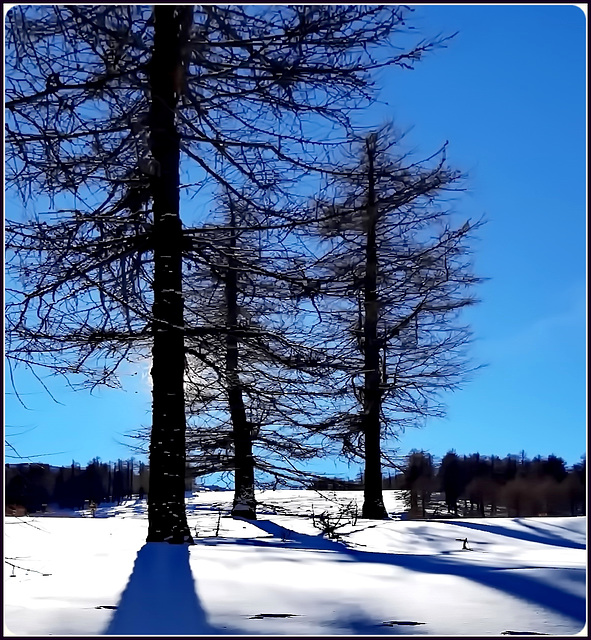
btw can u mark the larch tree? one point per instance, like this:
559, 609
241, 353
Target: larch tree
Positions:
397, 276
107, 107
167, 447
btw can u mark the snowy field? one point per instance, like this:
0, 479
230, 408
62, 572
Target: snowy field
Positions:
281, 576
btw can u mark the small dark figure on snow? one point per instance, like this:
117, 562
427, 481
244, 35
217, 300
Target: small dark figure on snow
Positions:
464, 542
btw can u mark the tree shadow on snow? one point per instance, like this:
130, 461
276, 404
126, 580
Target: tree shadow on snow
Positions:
160, 596
535, 534
509, 581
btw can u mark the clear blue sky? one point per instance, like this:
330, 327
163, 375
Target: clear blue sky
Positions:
509, 93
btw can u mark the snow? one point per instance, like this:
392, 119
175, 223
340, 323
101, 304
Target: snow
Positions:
281, 576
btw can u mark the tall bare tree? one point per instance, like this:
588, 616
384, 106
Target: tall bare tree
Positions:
167, 447
398, 275
265, 393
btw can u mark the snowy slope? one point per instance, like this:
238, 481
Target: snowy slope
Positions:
95, 576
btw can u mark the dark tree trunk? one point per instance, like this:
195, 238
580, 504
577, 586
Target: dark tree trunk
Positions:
166, 499
414, 500
373, 503
244, 499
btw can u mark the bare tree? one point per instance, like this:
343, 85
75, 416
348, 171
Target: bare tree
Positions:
398, 276
253, 410
106, 108
166, 500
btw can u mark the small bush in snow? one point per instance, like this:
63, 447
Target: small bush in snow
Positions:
330, 523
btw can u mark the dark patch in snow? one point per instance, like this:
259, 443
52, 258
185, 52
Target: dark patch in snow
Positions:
405, 623
523, 633
260, 616
106, 606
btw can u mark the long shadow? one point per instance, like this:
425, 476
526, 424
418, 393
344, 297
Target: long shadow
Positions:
160, 596
559, 526
555, 538
508, 581
534, 535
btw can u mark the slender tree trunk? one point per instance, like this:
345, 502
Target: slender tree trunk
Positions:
166, 499
373, 503
244, 499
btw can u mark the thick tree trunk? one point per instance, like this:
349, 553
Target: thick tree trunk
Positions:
244, 499
166, 498
373, 503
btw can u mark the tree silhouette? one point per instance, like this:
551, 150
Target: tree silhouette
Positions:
452, 482
105, 106
397, 276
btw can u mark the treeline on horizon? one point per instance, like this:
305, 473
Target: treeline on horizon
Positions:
468, 485
35, 485
481, 486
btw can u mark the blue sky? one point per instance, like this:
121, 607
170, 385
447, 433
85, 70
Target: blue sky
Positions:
509, 93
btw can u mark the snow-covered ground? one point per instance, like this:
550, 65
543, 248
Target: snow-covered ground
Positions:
281, 576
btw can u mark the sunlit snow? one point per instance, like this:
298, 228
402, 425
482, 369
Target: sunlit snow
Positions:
281, 576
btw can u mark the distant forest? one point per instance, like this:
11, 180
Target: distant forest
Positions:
482, 486
35, 486
473, 485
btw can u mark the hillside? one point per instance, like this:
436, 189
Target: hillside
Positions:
94, 576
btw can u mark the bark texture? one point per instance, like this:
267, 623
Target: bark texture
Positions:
166, 501
373, 503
